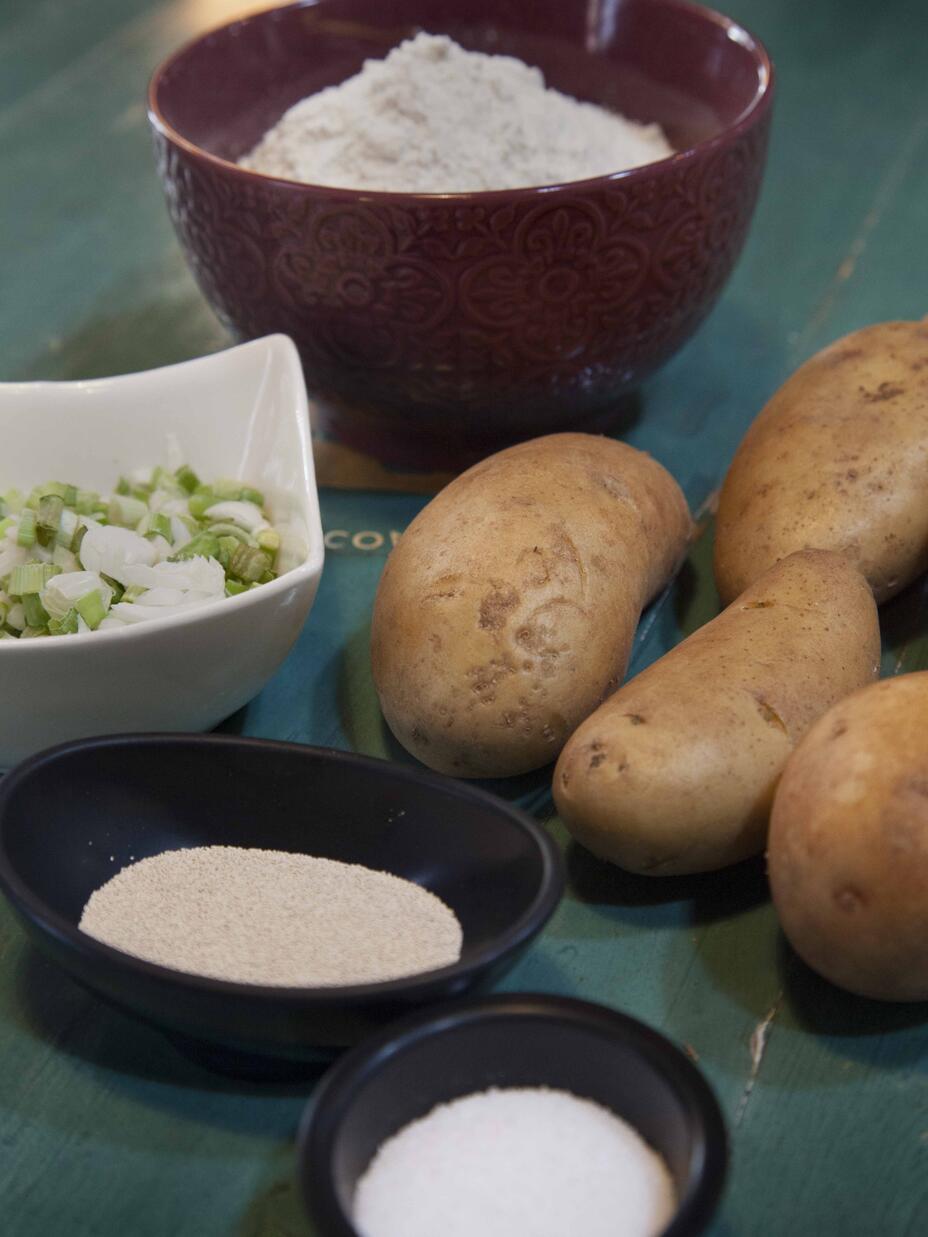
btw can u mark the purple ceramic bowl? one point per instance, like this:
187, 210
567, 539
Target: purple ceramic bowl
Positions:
438, 327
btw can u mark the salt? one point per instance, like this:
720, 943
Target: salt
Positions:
515, 1162
272, 917
434, 118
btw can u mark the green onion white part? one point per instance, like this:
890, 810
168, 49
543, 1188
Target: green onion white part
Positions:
74, 561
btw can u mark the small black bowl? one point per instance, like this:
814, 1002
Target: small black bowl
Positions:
512, 1041
72, 816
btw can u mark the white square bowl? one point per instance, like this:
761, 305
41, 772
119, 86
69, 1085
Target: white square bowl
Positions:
241, 413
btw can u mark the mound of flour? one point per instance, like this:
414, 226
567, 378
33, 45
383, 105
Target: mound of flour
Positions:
434, 118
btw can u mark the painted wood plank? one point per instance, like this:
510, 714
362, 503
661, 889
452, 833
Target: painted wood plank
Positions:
45, 38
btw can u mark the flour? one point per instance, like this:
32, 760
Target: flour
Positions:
434, 118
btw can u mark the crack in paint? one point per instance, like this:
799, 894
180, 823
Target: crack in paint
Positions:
758, 1046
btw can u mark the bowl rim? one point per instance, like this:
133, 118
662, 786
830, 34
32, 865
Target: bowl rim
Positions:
297, 576
323, 1113
754, 110
28, 904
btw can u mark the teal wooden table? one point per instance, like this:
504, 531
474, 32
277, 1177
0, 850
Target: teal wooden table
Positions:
104, 1128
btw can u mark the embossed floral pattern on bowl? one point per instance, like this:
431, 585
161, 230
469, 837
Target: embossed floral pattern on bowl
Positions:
434, 328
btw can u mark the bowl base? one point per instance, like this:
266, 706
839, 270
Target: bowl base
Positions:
251, 1066
404, 445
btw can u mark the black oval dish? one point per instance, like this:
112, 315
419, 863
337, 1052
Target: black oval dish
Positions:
72, 816
512, 1041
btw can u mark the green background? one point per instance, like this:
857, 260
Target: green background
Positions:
104, 1127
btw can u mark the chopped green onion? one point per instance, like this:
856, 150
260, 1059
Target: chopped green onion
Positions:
67, 526
117, 588
163, 479
227, 547
35, 612
186, 478
88, 502
159, 526
78, 537
48, 519
222, 529
201, 500
51, 489
235, 491
227, 490
59, 489
25, 534
64, 626
31, 578
91, 609
248, 563
126, 511
203, 545
53, 523
269, 539
65, 559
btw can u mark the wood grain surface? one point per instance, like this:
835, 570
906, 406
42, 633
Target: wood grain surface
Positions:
105, 1128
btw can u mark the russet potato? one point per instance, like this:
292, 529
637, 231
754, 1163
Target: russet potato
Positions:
837, 460
848, 848
506, 612
675, 772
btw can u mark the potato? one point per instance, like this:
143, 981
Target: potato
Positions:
848, 850
507, 610
838, 460
676, 772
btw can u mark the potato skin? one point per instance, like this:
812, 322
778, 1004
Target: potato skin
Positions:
507, 610
675, 773
848, 849
837, 460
